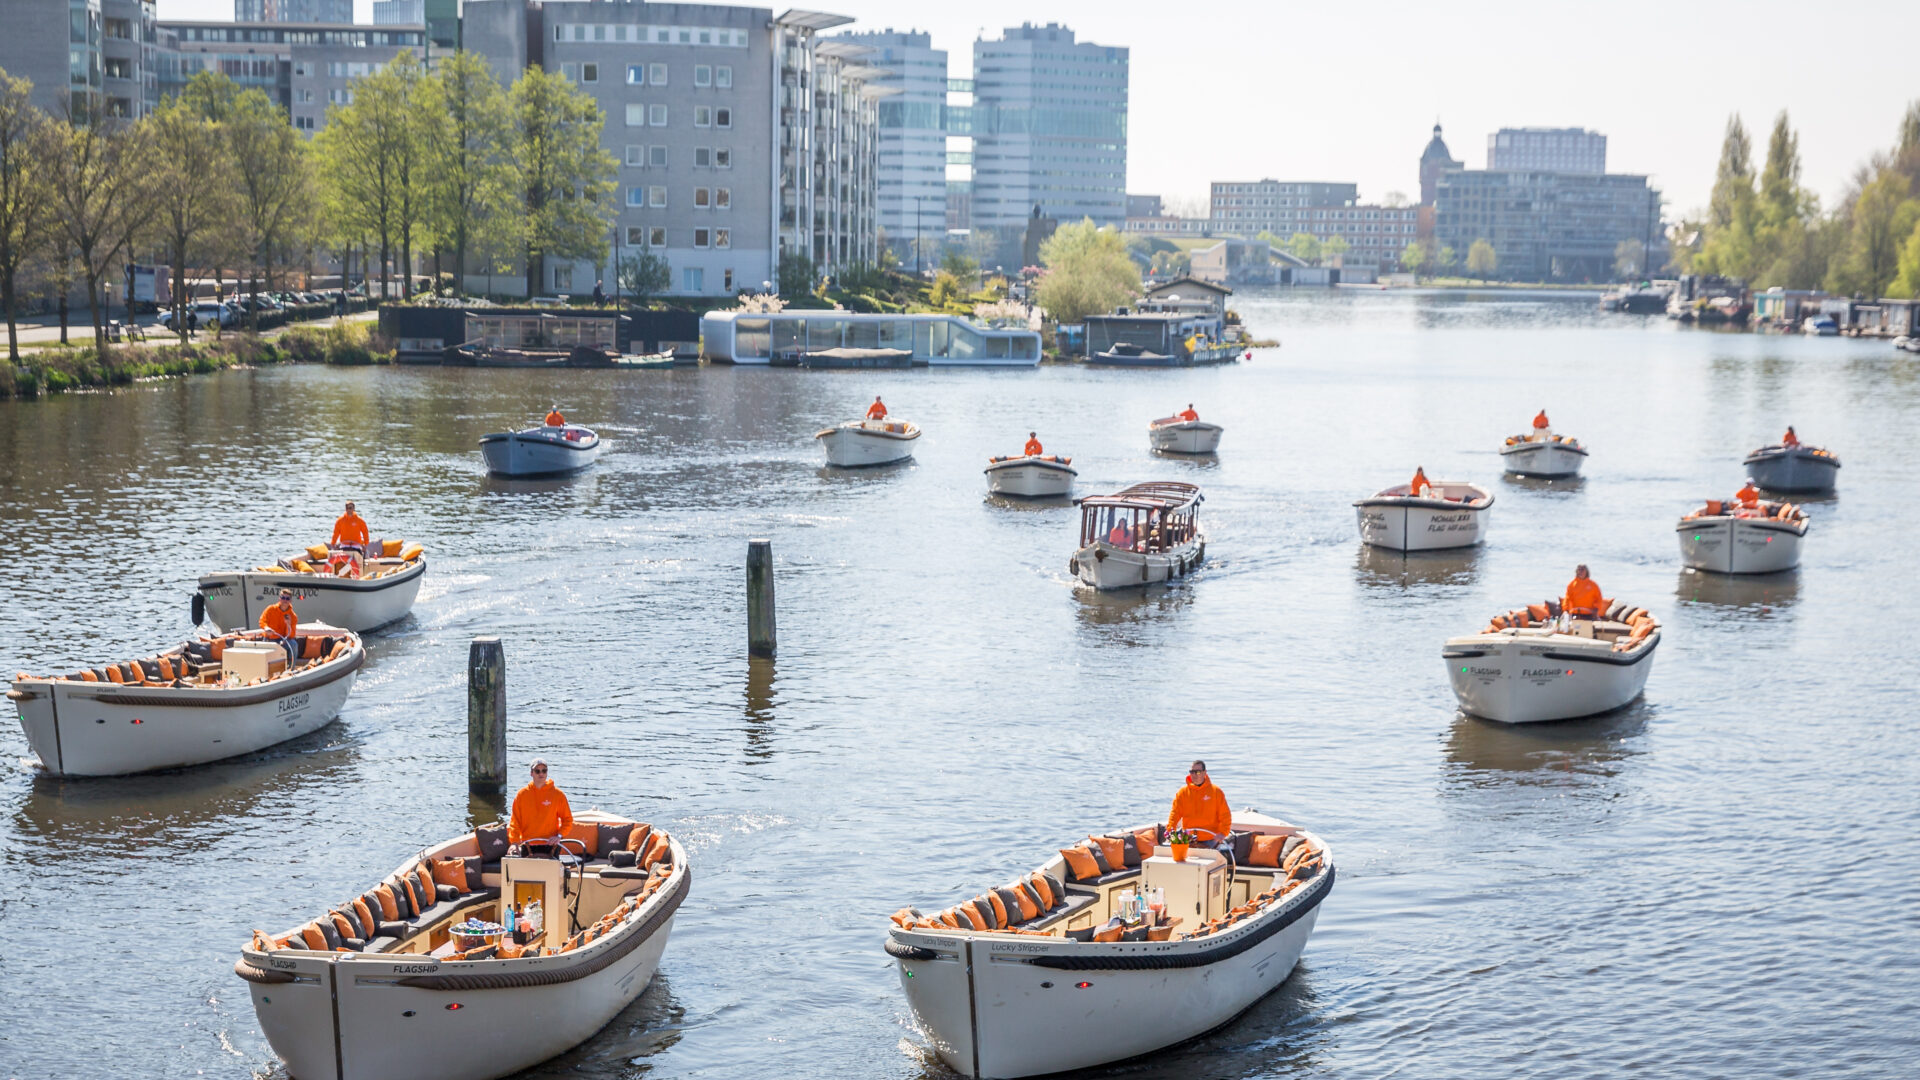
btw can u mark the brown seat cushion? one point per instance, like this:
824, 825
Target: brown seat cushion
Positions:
1024, 904
1294, 855
659, 849
1111, 933
424, 875
1146, 841
1080, 863
637, 839
586, 834
1037, 881
1266, 851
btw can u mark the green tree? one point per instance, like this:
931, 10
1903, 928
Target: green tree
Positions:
947, 290
1727, 242
1781, 251
1088, 271
275, 181
1305, 247
98, 198
471, 177
365, 151
1482, 260
961, 265
645, 274
1906, 282
190, 178
1884, 216
1415, 258
1445, 260
566, 179
25, 199
1335, 248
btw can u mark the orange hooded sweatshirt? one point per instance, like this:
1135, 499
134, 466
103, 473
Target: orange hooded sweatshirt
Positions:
1033, 448
538, 813
279, 620
1203, 807
350, 528
1583, 597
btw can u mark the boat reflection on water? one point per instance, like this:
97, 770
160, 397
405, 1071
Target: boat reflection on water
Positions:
1029, 502
1105, 612
1385, 568
1563, 485
865, 474
1208, 460
581, 482
1758, 594
1577, 753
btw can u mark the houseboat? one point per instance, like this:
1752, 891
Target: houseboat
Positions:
812, 338
1145, 534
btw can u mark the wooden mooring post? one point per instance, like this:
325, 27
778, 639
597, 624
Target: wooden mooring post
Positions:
486, 715
761, 638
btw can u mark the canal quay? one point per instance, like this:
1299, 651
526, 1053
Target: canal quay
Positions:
1716, 880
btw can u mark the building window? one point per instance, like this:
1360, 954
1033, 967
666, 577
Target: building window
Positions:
589, 73
657, 157
657, 74
636, 116
722, 158
702, 238
303, 123
657, 196
693, 279
657, 115
636, 157
702, 116
702, 75
636, 196
636, 74
636, 236
657, 236
723, 118
723, 238
599, 33
702, 198
702, 157
570, 72
722, 198
728, 278
562, 278
723, 78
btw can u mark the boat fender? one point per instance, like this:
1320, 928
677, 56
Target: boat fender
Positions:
1099, 554
1073, 567
198, 608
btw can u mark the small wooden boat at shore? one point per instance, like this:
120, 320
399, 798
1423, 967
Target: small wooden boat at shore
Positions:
1530, 664
333, 586
859, 443
390, 983
1030, 476
504, 357
643, 361
1549, 456
209, 699
1728, 538
1068, 967
1145, 534
540, 451
1797, 469
1172, 435
1453, 514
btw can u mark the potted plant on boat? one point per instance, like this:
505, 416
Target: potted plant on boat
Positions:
1178, 839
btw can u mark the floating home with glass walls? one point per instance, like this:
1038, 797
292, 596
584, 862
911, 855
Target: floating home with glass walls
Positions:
789, 338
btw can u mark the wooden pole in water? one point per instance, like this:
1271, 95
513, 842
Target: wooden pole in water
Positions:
486, 715
760, 621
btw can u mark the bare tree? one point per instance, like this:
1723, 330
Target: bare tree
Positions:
24, 195
97, 197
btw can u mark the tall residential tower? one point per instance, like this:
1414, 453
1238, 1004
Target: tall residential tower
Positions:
913, 136
1049, 128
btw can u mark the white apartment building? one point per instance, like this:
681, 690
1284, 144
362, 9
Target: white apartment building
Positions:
1049, 126
913, 134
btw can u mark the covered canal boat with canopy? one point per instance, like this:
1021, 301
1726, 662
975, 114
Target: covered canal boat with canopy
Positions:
1145, 534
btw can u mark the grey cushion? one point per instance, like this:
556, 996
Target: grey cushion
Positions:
445, 892
493, 842
394, 930
1242, 847
329, 932
474, 870
622, 858
612, 838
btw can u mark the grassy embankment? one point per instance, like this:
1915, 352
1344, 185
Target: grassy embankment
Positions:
75, 367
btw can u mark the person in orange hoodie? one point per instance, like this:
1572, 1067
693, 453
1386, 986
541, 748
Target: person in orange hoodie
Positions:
1201, 807
1033, 444
1749, 496
1542, 428
1188, 413
877, 410
554, 419
1419, 487
1583, 597
350, 531
282, 625
1789, 439
540, 810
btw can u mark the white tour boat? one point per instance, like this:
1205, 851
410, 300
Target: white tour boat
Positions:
1728, 538
548, 450
1030, 476
1173, 435
416, 979
1452, 514
858, 443
1531, 664
1546, 456
1141, 949
209, 699
332, 586
1145, 534
1799, 469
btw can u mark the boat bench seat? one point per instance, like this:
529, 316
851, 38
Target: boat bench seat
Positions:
1076, 903
1098, 885
446, 908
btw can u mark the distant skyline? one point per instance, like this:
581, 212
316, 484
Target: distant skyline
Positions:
1335, 93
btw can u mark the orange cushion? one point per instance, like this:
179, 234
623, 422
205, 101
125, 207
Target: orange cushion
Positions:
1028, 909
949, 919
1266, 851
425, 877
310, 647
450, 872
658, 850
389, 908
1039, 882
1114, 848
263, 942
365, 915
342, 924
904, 917
166, 669
510, 951
1299, 853
1144, 843
113, 674
972, 916
1000, 913
1538, 611
1080, 863
1109, 934
586, 834
315, 940
637, 839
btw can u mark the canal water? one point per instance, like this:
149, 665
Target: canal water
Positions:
1719, 880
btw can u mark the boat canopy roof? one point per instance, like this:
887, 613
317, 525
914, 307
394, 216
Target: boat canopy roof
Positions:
1159, 495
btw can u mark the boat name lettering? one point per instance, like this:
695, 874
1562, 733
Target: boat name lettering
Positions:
1483, 671
415, 969
225, 588
297, 701
1535, 673
1031, 949
281, 965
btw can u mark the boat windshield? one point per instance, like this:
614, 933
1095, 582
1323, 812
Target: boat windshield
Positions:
1144, 518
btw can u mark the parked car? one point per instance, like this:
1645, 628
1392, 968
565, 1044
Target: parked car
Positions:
209, 311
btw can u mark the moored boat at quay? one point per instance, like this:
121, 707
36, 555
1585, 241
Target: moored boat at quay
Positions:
1447, 514
1145, 534
1532, 664
209, 699
1111, 949
1727, 537
336, 586
416, 979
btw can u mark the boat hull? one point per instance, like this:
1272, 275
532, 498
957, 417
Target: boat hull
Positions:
520, 454
1542, 459
96, 729
1104, 566
235, 601
1798, 470
1526, 679
1189, 437
854, 448
1029, 478
1730, 545
991, 1009
1404, 524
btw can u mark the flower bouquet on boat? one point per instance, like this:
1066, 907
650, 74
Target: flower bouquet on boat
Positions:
1425, 515
1144, 534
1112, 948
1742, 535
467, 962
358, 586
1543, 453
876, 440
208, 699
1554, 660
1030, 474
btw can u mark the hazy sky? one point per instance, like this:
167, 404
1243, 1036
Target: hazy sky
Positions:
1246, 89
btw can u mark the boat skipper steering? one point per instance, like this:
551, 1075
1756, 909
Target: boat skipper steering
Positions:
1789, 439
877, 410
1583, 599
1187, 414
1201, 808
1542, 428
541, 816
1419, 486
350, 532
554, 419
1033, 448
281, 625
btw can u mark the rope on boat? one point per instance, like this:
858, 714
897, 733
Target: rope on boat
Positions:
516, 980
909, 952
1315, 893
258, 975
